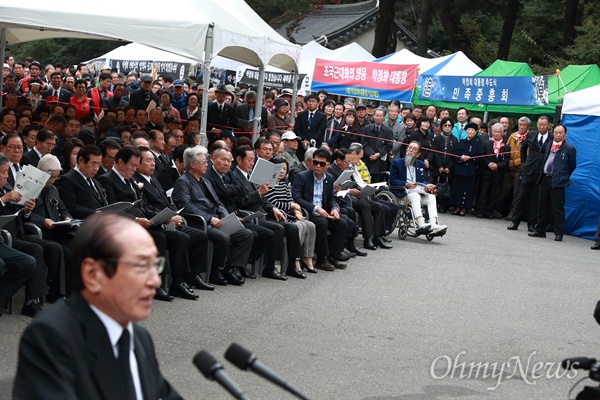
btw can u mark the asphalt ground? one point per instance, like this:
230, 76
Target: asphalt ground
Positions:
470, 315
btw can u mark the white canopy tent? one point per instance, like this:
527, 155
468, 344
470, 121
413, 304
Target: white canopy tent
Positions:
229, 28
456, 64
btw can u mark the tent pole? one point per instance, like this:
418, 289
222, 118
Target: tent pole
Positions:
256, 124
485, 117
2, 52
294, 93
208, 53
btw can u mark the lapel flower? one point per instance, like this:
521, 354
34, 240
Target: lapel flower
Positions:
140, 185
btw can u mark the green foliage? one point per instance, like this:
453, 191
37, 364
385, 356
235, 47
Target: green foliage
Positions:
586, 49
67, 51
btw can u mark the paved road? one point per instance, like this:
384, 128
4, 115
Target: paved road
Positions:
392, 323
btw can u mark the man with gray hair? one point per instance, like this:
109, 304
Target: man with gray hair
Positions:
196, 196
306, 164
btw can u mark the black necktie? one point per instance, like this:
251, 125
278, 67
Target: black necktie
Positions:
55, 93
128, 183
123, 359
541, 141
221, 107
310, 117
89, 181
17, 167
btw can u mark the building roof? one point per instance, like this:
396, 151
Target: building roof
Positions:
335, 25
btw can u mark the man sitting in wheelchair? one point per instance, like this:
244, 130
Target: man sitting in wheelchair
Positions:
411, 173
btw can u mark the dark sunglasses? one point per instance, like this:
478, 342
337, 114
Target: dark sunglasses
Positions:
321, 164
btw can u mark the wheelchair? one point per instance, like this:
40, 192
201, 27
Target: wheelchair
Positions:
405, 220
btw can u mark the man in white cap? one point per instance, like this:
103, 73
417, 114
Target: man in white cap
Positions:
290, 141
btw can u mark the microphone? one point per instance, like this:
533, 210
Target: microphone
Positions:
212, 370
245, 360
576, 363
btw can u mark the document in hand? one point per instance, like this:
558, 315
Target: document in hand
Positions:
118, 207
419, 188
164, 216
367, 191
265, 172
346, 175
231, 224
30, 183
71, 222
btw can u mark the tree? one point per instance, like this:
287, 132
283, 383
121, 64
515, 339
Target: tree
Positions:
571, 14
66, 51
423, 33
385, 33
510, 20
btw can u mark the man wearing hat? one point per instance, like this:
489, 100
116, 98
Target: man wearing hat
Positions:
279, 120
245, 113
220, 115
34, 72
179, 97
290, 143
286, 94
361, 113
143, 98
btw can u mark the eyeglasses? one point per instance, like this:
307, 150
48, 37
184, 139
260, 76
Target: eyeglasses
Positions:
15, 147
321, 164
447, 125
143, 267
177, 136
48, 144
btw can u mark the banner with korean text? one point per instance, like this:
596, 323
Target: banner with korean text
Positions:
503, 90
365, 79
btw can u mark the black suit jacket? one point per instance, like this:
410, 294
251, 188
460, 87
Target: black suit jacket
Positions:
167, 176
444, 156
222, 188
500, 159
315, 131
373, 143
245, 194
30, 158
303, 190
532, 156
217, 119
65, 353
49, 205
117, 190
154, 198
81, 200
242, 113
63, 94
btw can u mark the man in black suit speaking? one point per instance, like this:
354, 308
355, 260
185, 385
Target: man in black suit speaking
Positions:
90, 346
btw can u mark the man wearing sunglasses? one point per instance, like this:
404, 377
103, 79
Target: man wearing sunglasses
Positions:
110, 356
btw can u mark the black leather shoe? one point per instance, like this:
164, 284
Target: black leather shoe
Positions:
162, 295
531, 227
337, 263
385, 239
382, 244
359, 253
198, 283
351, 254
311, 271
343, 256
232, 279
245, 274
558, 237
325, 265
513, 226
31, 309
236, 272
217, 278
295, 273
596, 246
273, 274
368, 244
537, 234
183, 290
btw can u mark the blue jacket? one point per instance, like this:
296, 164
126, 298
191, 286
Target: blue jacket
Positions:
398, 174
564, 164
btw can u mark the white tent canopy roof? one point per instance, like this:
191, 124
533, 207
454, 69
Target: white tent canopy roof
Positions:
183, 32
456, 64
583, 102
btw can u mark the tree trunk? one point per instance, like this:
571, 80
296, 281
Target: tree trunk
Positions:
385, 35
510, 18
423, 33
450, 22
569, 32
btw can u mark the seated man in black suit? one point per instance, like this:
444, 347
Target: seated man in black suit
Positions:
119, 187
109, 149
196, 196
219, 175
249, 196
45, 142
16, 268
83, 194
170, 173
115, 284
191, 243
43, 251
313, 190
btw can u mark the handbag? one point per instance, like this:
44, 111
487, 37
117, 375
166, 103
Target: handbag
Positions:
443, 189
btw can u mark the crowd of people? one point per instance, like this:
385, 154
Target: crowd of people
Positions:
107, 138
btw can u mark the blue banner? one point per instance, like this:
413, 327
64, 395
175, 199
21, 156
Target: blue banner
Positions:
500, 90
